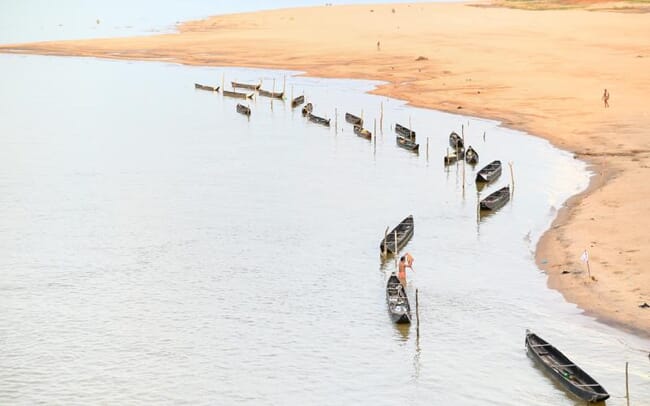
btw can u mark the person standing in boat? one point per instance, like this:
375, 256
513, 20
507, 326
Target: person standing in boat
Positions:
406, 261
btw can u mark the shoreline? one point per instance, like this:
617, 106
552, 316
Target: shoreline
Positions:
529, 93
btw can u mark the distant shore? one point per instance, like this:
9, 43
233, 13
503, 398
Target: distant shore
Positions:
539, 71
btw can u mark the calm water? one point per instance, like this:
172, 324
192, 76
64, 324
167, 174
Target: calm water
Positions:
158, 247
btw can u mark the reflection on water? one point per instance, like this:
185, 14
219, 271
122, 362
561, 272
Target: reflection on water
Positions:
154, 239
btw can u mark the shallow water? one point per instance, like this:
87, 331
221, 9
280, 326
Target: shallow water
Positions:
158, 247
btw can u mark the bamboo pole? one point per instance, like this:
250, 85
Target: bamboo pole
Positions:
292, 94
374, 128
417, 312
381, 117
336, 121
284, 84
362, 115
395, 248
627, 386
427, 149
512, 177
463, 134
386, 242
223, 81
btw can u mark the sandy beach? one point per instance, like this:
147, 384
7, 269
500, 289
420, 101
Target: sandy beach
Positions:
539, 71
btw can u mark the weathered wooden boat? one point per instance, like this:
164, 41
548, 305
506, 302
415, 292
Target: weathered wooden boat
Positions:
563, 370
204, 87
489, 172
243, 109
237, 95
450, 158
297, 101
273, 95
398, 236
471, 156
307, 109
250, 86
407, 144
362, 132
497, 199
319, 120
398, 302
455, 141
352, 119
405, 132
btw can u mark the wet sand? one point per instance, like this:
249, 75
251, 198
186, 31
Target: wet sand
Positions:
539, 71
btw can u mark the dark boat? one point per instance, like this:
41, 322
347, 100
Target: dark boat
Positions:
243, 109
407, 144
352, 119
307, 109
297, 101
319, 120
471, 156
489, 172
563, 370
398, 236
450, 158
204, 87
249, 86
274, 95
398, 302
455, 141
405, 132
362, 132
237, 95
497, 199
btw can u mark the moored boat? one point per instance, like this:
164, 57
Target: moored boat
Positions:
273, 95
407, 144
563, 370
405, 132
450, 158
362, 132
243, 109
398, 302
237, 95
455, 141
204, 87
307, 109
249, 86
471, 156
398, 236
496, 200
489, 172
352, 119
319, 120
297, 101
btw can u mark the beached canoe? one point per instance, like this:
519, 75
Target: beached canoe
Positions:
496, 200
489, 172
398, 236
307, 109
407, 144
471, 156
297, 101
405, 132
319, 120
362, 132
243, 110
398, 302
204, 87
249, 86
237, 95
563, 370
352, 119
455, 141
273, 95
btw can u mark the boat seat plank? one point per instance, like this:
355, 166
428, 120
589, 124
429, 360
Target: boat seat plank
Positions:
540, 345
586, 384
566, 365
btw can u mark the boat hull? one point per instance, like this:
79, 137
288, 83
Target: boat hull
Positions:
404, 232
397, 300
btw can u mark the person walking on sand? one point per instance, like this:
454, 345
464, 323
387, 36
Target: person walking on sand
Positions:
406, 261
606, 98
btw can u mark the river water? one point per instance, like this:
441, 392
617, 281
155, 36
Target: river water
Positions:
157, 247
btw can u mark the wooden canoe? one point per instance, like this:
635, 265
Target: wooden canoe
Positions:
471, 156
249, 86
404, 231
307, 109
398, 302
273, 95
497, 199
243, 109
352, 119
405, 132
319, 120
362, 132
204, 87
489, 172
563, 370
237, 95
407, 144
450, 159
297, 101
455, 141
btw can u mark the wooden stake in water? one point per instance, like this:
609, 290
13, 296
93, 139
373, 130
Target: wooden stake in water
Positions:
292, 93
374, 129
512, 177
410, 128
336, 121
381, 117
395, 248
417, 312
463, 133
627, 386
386, 242
284, 84
427, 149
223, 81
361, 114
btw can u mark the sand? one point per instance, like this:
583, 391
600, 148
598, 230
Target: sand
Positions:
539, 71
